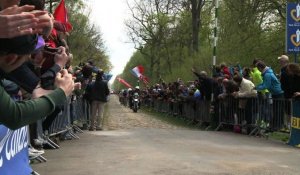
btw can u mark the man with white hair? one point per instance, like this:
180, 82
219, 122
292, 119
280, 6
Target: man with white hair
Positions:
284, 78
285, 81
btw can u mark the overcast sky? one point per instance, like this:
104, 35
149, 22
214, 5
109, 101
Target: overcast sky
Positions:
109, 15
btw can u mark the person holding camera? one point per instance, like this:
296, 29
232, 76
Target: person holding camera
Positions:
15, 115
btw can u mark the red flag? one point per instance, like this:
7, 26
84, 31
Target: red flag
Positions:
61, 15
124, 82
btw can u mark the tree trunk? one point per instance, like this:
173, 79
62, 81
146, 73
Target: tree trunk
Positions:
196, 10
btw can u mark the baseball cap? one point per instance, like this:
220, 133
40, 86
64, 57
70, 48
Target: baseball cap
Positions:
283, 57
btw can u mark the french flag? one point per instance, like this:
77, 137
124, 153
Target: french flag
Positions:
138, 71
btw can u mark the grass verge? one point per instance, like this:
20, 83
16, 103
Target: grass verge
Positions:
174, 120
280, 136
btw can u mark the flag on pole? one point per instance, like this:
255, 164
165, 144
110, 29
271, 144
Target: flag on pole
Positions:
61, 15
138, 71
124, 82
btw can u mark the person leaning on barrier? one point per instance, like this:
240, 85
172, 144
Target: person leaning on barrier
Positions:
257, 79
246, 87
271, 83
17, 114
246, 90
229, 87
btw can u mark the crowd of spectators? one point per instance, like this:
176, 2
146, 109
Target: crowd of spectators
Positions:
37, 78
272, 91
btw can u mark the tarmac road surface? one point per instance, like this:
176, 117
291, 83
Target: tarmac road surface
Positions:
137, 144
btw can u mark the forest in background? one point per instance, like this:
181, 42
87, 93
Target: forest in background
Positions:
173, 36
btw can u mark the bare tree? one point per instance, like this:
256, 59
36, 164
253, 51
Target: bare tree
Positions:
149, 26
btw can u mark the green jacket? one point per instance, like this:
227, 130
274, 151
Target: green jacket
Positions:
257, 79
18, 114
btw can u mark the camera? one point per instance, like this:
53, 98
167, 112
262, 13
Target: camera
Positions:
49, 53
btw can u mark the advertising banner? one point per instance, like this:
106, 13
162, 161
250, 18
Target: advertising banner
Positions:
293, 28
14, 158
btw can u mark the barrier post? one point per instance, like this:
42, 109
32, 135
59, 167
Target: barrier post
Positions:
295, 124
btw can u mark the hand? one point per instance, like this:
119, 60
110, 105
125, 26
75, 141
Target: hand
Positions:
77, 86
38, 92
235, 94
296, 94
44, 24
10, 62
64, 81
14, 22
61, 58
222, 96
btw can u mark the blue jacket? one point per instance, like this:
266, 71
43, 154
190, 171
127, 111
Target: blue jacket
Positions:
270, 82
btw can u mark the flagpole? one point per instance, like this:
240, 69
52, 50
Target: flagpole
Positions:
51, 6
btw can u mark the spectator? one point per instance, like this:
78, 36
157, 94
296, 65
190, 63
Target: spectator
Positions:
284, 77
225, 70
293, 71
206, 84
99, 92
286, 85
246, 87
246, 90
271, 83
15, 115
229, 87
263, 106
256, 78
246, 73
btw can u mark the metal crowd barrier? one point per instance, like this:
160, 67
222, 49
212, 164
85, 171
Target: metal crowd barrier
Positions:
202, 112
63, 124
62, 121
189, 110
254, 113
192, 110
80, 113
